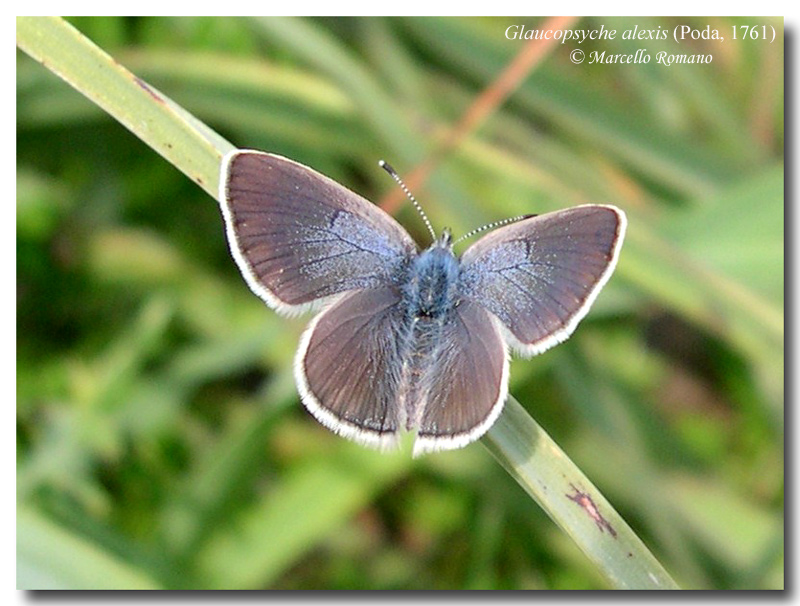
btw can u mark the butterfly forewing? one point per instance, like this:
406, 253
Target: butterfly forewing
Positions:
299, 236
539, 276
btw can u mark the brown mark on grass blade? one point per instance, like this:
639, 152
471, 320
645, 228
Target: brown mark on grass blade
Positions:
587, 504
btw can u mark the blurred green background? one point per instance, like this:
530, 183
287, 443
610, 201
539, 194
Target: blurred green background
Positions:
160, 439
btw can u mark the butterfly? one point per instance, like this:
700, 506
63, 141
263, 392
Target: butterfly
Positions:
406, 339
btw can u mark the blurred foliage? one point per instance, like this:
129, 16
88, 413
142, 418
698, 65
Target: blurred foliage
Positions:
160, 442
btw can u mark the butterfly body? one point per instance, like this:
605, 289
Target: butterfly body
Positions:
427, 317
407, 340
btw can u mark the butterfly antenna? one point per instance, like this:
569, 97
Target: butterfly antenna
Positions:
385, 166
492, 226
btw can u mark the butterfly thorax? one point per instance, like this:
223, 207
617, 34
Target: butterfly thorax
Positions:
430, 289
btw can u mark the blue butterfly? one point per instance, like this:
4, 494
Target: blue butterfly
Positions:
408, 340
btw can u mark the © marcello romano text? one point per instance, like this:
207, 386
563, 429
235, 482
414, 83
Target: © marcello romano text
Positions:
643, 57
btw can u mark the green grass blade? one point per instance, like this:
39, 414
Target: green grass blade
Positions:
525, 450
184, 141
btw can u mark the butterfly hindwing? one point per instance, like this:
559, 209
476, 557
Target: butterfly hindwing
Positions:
466, 383
348, 367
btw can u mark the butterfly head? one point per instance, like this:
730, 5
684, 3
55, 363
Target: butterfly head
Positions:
445, 240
